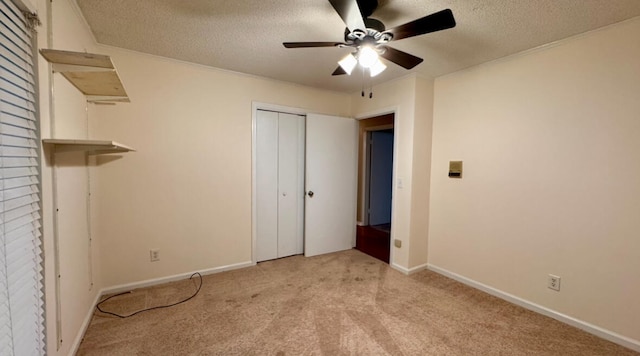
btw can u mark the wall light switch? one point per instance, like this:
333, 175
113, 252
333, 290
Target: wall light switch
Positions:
397, 243
400, 183
455, 169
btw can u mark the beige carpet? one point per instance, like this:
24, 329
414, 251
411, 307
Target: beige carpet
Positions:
345, 303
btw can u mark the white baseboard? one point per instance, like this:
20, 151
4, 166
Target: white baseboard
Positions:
141, 284
409, 271
175, 277
580, 324
418, 268
399, 268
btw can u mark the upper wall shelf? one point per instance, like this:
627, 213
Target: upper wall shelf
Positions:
93, 74
92, 147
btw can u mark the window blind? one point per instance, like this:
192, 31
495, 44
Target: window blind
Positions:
21, 269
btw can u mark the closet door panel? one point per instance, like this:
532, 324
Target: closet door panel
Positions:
267, 185
289, 190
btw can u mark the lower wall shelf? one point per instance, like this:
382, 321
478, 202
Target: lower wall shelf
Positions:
92, 147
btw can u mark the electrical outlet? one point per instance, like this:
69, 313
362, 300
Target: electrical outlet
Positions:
154, 255
553, 282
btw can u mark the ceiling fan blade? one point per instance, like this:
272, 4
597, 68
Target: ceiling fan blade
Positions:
400, 58
367, 7
350, 13
339, 71
310, 44
438, 21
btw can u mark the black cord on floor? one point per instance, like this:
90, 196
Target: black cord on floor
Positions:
152, 308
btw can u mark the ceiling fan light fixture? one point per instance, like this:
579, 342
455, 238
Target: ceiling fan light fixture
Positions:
348, 63
377, 68
369, 36
367, 56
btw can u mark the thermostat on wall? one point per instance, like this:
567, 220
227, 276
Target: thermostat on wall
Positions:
455, 169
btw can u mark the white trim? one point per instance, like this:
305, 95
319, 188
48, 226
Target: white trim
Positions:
175, 277
580, 324
399, 268
394, 201
418, 268
378, 112
365, 166
409, 271
278, 108
142, 284
254, 186
84, 326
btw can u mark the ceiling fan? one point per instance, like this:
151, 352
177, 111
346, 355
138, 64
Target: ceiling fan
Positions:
369, 36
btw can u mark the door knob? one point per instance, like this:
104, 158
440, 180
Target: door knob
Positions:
310, 193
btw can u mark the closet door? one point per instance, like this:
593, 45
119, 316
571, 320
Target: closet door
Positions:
331, 180
279, 184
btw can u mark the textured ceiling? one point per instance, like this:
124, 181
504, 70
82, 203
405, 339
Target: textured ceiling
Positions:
246, 35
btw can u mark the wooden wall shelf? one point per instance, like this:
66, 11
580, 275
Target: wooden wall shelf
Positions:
92, 147
93, 74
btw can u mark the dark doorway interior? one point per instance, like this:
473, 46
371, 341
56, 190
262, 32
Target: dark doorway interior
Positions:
374, 241
380, 155
373, 235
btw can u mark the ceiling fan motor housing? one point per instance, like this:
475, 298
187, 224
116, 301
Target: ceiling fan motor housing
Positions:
373, 36
374, 24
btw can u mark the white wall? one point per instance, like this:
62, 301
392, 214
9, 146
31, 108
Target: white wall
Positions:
551, 151
422, 141
63, 114
187, 189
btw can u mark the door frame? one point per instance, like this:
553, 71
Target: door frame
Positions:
394, 202
366, 169
367, 157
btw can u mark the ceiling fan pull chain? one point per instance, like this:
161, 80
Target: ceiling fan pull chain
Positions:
370, 87
362, 93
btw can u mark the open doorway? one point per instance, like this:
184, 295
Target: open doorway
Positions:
375, 185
